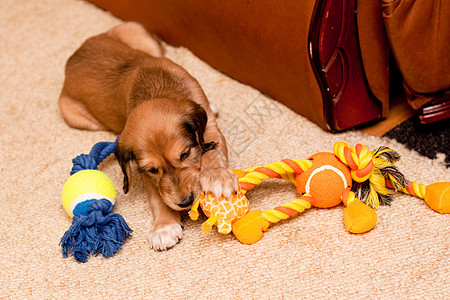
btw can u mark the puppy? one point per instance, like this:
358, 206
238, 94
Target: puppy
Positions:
119, 81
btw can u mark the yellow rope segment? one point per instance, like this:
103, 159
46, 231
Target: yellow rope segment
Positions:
279, 167
298, 204
283, 169
274, 216
418, 189
358, 163
359, 179
361, 160
365, 156
252, 169
254, 177
338, 150
304, 164
288, 174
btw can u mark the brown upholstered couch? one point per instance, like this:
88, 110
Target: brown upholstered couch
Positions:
328, 60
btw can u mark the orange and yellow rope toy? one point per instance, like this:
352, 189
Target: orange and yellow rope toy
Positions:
359, 178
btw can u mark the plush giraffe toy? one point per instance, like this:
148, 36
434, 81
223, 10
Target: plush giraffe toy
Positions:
220, 212
359, 178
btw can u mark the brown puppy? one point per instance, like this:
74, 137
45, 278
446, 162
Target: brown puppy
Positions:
118, 81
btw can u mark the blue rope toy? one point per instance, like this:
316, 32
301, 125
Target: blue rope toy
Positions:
89, 197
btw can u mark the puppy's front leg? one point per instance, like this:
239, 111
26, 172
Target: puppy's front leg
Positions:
215, 176
166, 230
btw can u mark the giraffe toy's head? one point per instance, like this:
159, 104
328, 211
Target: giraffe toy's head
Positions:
221, 212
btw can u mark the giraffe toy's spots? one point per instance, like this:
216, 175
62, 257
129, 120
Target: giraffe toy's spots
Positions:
222, 212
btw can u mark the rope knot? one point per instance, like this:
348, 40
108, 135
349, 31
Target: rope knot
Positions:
83, 162
103, 205
358, 159
99, 232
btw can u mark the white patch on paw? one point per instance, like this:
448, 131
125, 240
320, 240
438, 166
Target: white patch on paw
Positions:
166, 237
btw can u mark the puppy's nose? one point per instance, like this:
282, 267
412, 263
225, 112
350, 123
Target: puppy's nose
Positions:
187, 201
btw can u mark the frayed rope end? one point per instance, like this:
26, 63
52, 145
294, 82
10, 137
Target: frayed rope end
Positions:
100, 231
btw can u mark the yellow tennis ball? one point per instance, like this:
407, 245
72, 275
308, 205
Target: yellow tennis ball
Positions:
84, 186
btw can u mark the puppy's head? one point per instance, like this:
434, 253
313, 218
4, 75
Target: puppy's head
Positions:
165, 139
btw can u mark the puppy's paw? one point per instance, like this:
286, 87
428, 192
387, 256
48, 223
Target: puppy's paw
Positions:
165, 237
219, 181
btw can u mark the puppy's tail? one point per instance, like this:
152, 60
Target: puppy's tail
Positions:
135, 36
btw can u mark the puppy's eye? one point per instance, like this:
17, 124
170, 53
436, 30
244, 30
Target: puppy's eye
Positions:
185, 155
153, 171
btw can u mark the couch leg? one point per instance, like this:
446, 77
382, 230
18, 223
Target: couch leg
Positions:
336, 60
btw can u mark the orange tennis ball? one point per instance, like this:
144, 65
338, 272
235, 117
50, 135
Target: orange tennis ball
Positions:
325, 180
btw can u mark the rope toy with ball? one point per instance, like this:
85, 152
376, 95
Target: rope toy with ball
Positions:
89, 198
355, 176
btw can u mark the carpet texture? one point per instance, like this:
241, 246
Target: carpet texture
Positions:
311, 256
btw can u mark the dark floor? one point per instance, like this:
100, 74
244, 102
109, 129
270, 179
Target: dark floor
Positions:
427, 139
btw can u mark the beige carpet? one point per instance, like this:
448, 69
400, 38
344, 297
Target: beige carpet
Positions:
311, 256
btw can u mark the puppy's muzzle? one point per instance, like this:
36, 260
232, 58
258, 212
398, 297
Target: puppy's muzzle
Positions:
187, 201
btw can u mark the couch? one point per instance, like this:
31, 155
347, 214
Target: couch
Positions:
328, 60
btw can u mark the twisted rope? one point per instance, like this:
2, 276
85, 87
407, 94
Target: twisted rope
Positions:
90, 161
413, 189
358, 158
287, 169
286, 210
101, 231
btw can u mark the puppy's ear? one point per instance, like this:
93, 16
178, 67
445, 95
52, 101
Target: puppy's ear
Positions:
124, 156
195, 125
